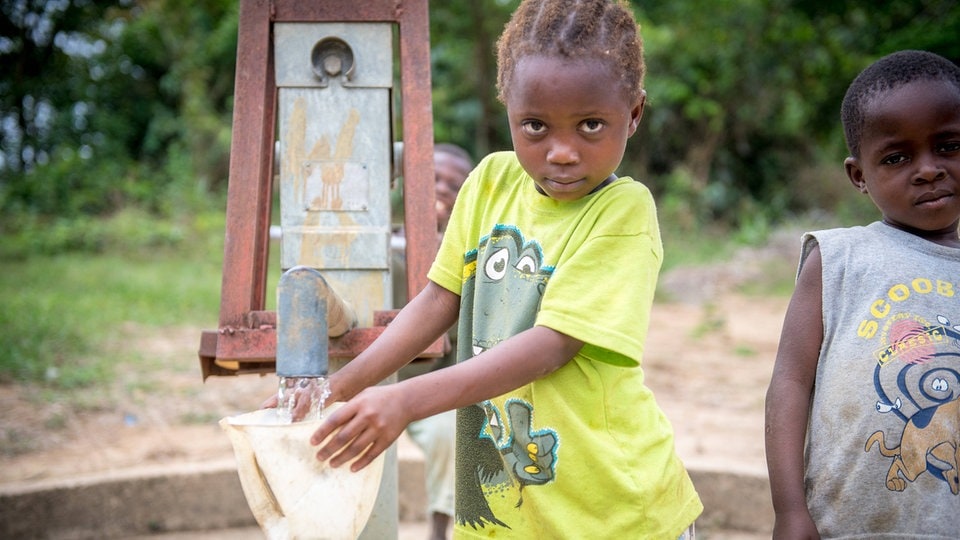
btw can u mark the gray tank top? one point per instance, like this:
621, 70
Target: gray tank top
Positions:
882, 446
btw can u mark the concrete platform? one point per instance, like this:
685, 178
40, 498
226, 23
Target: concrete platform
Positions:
409, 530
205, 501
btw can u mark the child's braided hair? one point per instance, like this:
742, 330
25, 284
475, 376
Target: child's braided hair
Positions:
590, 29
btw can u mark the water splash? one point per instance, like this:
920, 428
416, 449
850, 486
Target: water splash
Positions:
301, 398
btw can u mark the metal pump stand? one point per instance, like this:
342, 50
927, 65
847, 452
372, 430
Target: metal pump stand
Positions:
326, 69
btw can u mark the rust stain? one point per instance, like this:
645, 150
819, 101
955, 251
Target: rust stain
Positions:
364, 291
330, 173
295, 137
332, 162
346, 219
321, 251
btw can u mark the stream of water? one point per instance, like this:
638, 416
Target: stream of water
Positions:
301, 398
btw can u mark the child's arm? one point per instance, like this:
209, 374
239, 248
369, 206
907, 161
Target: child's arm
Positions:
788, 402
425, 318
372, 420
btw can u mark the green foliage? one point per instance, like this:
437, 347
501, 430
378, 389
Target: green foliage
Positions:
44, 48
726, 108
116, 104
130, 229
743, 96
463, 36
71, 186
108, 104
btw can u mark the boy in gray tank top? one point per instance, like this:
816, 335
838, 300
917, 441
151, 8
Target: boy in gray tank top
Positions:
863, 409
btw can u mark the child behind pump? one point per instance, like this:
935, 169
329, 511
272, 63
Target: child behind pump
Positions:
550, 261
435, 434
863, 410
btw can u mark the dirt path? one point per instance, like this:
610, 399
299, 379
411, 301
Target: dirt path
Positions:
710, 374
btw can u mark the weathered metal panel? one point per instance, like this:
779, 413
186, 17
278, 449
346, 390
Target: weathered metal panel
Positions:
335, 169
371, 44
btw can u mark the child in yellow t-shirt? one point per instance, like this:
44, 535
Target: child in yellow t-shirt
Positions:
550, 263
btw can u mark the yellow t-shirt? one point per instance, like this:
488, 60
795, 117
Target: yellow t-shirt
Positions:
584, 452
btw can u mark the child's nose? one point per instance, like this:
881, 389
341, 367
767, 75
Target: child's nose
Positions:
562, 153
929, 168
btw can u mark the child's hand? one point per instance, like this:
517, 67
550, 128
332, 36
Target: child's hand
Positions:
270, 402
299, 411
365, 426
305, 396
796, 525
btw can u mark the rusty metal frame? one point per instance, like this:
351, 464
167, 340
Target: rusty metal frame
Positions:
246, 338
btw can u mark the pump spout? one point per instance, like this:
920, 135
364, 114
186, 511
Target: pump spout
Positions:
309, 311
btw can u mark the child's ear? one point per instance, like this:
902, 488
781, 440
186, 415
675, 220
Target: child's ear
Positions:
855, 174
636, 113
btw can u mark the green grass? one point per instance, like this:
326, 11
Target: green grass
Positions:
779, 278
681, 248
63, 312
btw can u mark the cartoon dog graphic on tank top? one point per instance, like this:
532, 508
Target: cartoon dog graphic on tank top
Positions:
917, 377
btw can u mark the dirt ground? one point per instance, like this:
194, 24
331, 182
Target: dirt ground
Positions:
710, 354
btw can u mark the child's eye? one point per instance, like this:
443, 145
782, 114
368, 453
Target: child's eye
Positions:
591, 126
949, 147
533, 127
893, 159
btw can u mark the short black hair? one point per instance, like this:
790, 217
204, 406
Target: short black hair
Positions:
888, 73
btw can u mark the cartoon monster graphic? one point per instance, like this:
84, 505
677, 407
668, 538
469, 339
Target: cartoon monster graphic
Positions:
503, 292
504, 288
924, 380
528, 454
511, 456
485, 464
